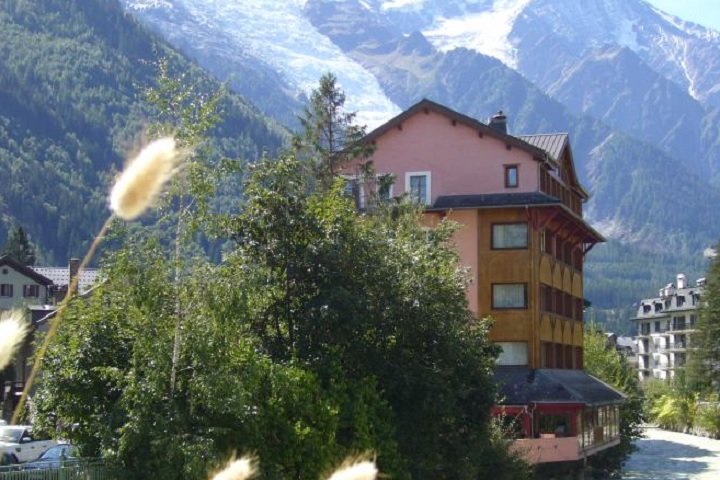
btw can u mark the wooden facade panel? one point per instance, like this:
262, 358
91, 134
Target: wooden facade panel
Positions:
577, 285
567, 279
545, 272
545, 332
510, 328
578, 334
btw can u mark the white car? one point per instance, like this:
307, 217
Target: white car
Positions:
19, 441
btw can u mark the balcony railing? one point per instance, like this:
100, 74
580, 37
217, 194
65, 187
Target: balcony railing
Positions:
681, 328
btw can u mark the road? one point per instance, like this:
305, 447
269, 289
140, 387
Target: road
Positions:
664, 455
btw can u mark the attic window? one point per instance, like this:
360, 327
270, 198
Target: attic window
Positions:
511, 176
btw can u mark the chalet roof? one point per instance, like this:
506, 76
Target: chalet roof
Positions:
27, 271
552, 143
426, 105
447, 202
523, 386
61, 276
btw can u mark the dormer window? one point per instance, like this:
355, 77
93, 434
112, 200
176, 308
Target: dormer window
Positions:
417, 185
511, 176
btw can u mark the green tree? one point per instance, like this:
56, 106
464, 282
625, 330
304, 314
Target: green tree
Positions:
605, 363
704, 363
375, 300
323, 334
330, 136
18, 246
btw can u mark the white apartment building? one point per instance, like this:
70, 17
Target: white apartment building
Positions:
665, 325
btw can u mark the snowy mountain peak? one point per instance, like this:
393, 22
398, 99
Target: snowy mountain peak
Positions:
487, 32
140, 5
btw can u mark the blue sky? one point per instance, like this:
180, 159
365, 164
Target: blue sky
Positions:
704, 12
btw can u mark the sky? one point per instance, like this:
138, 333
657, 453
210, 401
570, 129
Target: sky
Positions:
704, 12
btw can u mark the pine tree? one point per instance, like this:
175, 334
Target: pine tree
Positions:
704, 364
329, 135
19, 247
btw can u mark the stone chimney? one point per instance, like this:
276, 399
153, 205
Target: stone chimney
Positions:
681, 281
73, 267
499, 122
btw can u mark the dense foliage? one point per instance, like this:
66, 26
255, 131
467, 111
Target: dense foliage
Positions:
604, 362
323, 333
72, 80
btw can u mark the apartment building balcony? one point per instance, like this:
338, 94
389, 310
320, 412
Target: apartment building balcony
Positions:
681, 328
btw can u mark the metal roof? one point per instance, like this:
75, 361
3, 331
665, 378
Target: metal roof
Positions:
61, 276
552, 143
523, 386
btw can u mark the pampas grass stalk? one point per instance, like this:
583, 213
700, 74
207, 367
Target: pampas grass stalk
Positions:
143, 179
356, 470
133, 193
13, 329
242, 469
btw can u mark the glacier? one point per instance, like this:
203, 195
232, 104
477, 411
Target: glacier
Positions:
279, 34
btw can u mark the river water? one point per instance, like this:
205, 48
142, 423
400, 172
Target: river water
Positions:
664, 455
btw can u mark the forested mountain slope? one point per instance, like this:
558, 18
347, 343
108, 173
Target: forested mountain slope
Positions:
72, 79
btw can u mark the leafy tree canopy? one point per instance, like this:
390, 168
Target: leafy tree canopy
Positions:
604, 362
324, 333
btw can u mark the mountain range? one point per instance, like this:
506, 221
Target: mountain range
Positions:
73, 81
637, 89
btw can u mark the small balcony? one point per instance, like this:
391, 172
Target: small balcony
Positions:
682, 327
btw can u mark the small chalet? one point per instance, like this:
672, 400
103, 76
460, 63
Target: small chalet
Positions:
524, 240
37, 290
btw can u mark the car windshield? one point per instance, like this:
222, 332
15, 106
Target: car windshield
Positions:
52, 453
11, 434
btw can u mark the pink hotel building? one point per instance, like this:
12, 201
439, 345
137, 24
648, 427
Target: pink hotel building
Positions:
523, 238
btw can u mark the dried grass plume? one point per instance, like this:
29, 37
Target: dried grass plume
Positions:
143, 178
13, 329
237, 470
360, 470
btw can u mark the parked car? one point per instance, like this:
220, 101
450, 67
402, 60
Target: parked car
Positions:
54, 457
19, 441
7, 459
